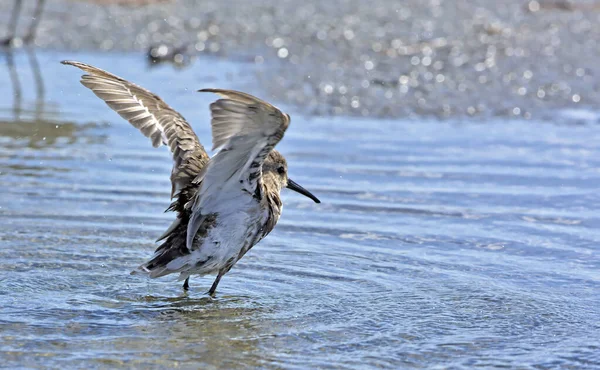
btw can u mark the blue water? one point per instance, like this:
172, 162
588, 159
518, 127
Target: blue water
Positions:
455, 243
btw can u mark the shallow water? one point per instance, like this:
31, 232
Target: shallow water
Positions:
448, 244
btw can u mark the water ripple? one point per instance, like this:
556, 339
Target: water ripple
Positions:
437, 244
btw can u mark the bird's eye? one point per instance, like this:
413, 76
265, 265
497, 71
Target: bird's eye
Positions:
281, 170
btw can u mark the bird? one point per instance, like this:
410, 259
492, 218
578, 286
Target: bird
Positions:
226, 203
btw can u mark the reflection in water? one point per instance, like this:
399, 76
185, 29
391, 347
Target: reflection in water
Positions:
26, 127
35, 125
12, 39
39, 82
41, 133
228, 328
16, 84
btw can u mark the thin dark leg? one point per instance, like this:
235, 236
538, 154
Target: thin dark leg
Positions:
213, 288
186, 284
14, 20
37, 16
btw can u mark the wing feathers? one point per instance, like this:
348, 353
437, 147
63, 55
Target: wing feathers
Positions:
245, 129
153, 117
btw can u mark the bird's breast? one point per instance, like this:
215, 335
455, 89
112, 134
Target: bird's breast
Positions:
233, 234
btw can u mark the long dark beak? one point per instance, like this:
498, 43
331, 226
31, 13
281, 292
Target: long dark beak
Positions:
292, 185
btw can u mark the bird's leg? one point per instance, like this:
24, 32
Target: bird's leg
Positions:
37, 16
14, 20
186, 284
213, 288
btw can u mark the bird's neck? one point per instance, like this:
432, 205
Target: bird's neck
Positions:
272, 199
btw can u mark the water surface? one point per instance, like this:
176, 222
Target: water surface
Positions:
450, 244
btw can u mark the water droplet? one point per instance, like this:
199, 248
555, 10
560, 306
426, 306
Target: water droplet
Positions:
277, 42
534, 6
541, 94
282, 53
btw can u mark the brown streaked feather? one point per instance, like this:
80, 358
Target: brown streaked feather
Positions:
274, 211
271, 191
174, 247
245, 129
240, 113
241, 97
153, 117
242, 120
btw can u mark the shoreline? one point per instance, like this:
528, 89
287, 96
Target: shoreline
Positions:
525, 60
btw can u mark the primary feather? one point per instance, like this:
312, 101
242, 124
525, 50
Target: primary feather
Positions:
153, 117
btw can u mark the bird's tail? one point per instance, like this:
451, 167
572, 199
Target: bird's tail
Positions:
167, 256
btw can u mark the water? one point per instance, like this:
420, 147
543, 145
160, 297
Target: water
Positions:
438, 244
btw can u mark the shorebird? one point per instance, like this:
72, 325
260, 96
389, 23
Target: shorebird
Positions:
225, 204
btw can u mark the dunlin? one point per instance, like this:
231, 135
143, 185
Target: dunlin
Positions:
225, 204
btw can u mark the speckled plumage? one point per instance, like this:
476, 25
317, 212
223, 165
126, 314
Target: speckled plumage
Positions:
225, 204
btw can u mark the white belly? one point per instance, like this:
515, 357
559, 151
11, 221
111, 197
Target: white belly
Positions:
223, 243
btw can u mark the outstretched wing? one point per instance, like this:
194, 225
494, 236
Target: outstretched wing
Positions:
153, 117
245, 130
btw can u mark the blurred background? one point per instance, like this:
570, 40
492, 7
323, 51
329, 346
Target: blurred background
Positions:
454, 144
437, 58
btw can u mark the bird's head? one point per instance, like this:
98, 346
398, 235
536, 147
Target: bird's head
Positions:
275, 173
